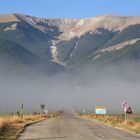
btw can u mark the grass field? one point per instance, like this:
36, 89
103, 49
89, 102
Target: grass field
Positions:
135, 118
12, 125
132, 123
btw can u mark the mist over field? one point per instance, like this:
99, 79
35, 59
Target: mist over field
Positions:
82, 89
69, 63
70, 70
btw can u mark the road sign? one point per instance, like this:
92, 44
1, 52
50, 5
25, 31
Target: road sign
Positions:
84, 111
46, 112
129, 111
126, 107
100, 110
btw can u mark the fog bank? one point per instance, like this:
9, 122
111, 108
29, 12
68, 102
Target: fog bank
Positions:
83, 89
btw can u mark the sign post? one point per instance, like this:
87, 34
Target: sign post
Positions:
125, 116
127, 109
21, 111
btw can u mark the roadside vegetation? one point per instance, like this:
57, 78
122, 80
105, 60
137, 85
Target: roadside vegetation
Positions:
11, 126
131, 123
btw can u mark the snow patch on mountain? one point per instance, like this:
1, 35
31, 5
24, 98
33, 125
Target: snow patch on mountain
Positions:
120, 45
96, 32
12, 27
80, 23
55, 54
75, 47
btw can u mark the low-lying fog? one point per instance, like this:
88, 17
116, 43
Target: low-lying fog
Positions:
107, 86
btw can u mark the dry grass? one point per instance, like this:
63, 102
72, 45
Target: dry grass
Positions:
8, 18
116, 121
11, 126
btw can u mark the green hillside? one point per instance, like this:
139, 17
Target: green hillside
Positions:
29, 37
13, 53
130, 53
88, 43
126, 34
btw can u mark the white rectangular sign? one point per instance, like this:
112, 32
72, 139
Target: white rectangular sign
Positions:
100, 110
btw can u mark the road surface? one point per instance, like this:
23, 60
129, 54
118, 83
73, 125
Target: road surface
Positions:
69, 127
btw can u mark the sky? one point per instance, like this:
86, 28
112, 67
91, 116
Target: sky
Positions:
70, 8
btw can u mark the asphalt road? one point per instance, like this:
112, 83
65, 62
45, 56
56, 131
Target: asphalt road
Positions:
69, 127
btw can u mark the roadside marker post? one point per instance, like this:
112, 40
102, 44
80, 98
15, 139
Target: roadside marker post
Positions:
21, 111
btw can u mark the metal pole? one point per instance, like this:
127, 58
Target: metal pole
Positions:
22, 107
125, 116
95, 106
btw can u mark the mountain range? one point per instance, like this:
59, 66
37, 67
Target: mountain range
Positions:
51, 45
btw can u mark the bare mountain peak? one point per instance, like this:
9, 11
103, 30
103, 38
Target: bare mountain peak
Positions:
75, 27
8, 18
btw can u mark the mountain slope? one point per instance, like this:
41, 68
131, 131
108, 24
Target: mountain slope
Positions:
14, 54
129, 33
56, 44
130, 53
